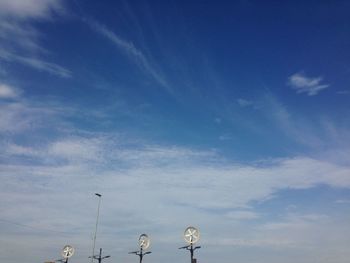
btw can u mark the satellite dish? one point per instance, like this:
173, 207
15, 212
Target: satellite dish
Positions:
191, 235
144, 241
67, 251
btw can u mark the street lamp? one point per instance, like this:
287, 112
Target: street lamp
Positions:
144, 242
191, 236
98, 214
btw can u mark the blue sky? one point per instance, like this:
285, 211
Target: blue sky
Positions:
232, 116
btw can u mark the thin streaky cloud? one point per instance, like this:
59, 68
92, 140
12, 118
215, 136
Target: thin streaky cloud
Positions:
29, 8
36, 64
297, 129
303, 84
23, 36
343, 92
130, 49
18, 36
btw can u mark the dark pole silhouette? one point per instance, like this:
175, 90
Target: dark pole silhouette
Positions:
140, 253
99, 257
191, 249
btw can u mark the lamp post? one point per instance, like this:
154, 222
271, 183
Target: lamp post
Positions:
191, 236
98, 214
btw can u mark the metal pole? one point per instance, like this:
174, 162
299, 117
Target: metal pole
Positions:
98, 214
100, 257
191, 250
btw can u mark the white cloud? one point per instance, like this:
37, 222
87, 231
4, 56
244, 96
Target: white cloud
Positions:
19, 40
308, 233
304, 84
167, 187
21, 35
77, 148
231, 185
157, 189
23, 9
7, 91
27, 118
165, 195
343, 92
14, 149
135, 54
13, 117
296, 221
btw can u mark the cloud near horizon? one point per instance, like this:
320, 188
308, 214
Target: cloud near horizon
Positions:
169, 180
50, 182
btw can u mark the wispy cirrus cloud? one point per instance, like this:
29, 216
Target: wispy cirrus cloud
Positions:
37, 64
343, 92
29, 8
133, 52
309, 85
321, 132
283, 119
20, 41
22, 36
